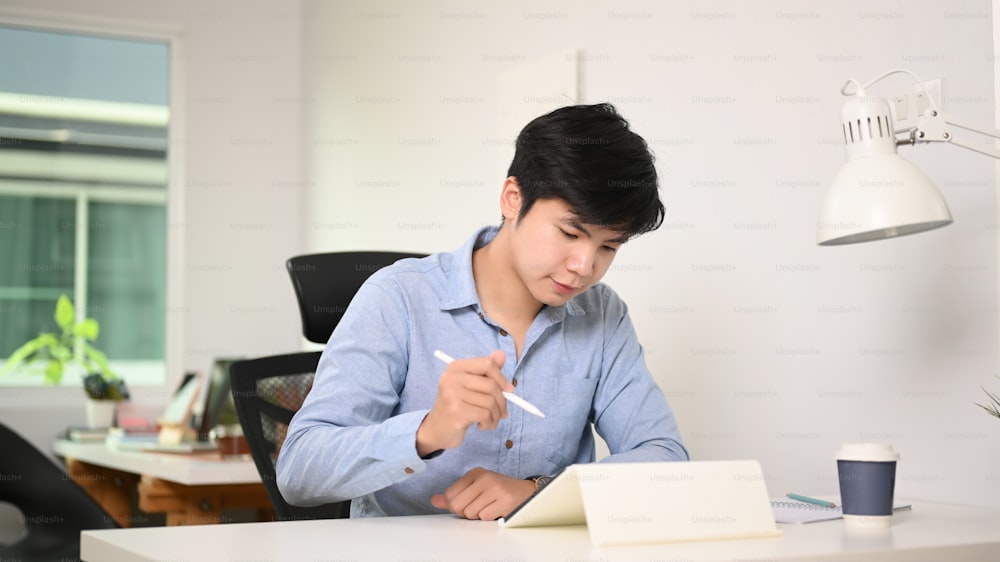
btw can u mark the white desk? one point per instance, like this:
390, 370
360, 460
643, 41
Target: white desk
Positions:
189, 488
929, 532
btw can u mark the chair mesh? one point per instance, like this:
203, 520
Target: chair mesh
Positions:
288, 392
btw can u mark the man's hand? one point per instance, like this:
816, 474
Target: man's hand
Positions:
470, 391
483, 494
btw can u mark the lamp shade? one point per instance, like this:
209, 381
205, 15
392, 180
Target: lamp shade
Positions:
876, 194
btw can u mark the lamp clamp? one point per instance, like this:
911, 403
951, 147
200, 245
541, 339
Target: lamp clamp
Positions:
933, 126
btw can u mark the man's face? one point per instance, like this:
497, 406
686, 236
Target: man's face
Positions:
556, 255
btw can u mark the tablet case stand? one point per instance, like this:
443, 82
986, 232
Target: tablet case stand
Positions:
633, 503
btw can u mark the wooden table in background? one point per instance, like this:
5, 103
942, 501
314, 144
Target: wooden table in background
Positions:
191, 489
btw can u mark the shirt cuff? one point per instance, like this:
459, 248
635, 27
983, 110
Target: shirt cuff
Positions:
399, 437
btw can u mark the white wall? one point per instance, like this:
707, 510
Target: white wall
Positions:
768, 346
240, 111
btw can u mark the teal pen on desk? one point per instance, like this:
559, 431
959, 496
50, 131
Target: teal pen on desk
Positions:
813, 501
528, 406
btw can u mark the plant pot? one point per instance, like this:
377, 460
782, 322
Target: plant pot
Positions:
101, 413
230, 440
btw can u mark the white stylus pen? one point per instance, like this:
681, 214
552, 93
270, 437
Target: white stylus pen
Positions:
528, 406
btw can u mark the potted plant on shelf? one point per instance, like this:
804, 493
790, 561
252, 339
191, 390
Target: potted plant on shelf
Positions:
54, 351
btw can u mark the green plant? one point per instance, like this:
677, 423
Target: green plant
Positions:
994, 406
71, 345
228, 415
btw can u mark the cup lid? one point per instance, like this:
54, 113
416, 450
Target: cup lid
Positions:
870, 452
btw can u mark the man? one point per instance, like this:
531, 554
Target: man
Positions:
519, 306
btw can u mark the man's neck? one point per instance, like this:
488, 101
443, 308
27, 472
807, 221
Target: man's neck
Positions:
502, 293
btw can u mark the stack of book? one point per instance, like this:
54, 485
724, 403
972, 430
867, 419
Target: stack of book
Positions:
100, 434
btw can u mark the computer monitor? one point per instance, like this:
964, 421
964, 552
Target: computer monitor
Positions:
218, 396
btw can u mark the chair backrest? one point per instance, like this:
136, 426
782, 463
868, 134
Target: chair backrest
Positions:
325, 284
267, 392
54, 509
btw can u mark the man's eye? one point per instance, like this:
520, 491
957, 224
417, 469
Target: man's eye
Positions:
569, 235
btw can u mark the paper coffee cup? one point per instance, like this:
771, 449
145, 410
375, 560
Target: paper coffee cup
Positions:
867, 475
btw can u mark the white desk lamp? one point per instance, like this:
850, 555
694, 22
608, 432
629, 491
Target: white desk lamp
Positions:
877, 194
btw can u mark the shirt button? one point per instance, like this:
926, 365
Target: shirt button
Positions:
514, 382
408, 470
509, 444
503, 332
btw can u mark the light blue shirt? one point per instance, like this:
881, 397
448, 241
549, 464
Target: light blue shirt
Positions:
581, 364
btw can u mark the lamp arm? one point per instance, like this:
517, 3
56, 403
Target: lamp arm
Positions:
933, 127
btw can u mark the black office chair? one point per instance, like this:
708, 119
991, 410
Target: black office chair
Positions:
325, 284
53, 508
267, 392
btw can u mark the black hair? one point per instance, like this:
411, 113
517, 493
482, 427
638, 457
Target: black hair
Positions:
587, 156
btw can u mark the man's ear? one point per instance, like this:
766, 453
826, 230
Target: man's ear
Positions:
510, 199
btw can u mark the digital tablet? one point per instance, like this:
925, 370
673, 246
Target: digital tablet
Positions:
647, 502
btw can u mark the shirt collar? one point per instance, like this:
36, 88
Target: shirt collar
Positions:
462, 285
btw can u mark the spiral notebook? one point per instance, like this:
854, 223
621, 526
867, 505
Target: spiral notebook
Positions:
787, 510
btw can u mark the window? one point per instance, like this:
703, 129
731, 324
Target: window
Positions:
83, 191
